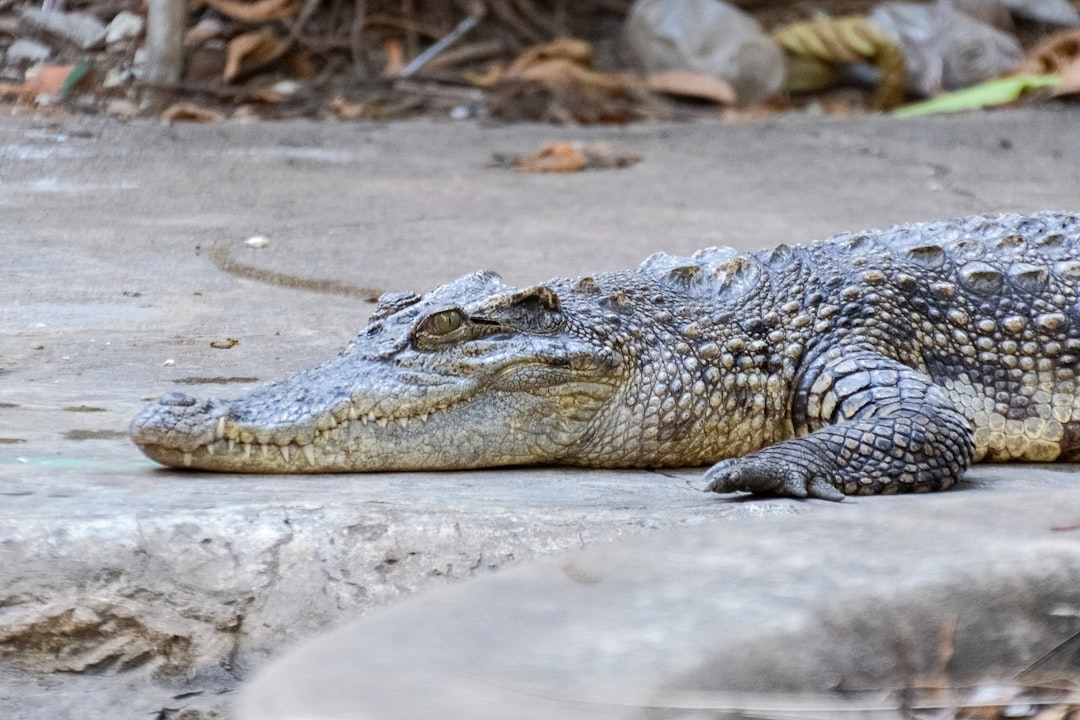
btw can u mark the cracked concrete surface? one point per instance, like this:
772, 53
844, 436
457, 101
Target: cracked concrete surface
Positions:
121, 583
817, 615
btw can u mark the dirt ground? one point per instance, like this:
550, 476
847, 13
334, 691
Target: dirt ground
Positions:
333, 59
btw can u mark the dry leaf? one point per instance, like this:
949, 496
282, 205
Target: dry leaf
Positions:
202, 31
252, 49
395, 58
553, 83
577, 52
224, 344
20, 91
562, 156
1058, 54
190, 112
1070, 79
686, 83
1052, 54
258, 12
346, 109
555, 157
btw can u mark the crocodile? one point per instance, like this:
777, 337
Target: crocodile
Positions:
882, 361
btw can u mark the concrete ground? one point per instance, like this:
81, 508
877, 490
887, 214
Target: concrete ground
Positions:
124, 259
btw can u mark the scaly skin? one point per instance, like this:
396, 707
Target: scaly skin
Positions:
876, 362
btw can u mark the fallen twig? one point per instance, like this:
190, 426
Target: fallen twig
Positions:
454, 35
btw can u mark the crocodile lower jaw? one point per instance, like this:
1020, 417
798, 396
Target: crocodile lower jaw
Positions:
238, 449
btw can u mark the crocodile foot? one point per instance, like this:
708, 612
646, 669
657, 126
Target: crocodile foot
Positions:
769, 476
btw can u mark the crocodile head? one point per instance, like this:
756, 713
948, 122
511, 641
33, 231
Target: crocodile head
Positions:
475, 373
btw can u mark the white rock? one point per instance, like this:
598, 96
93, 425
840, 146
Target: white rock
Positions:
82, 30
27, 50
286, 87
124, 26
118, 107
115, 77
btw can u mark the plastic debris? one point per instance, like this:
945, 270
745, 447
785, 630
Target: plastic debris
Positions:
51, 82
1055, 12
706, 36
818, 50
944, 48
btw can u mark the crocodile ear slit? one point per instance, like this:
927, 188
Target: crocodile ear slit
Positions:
536, 309
540, 295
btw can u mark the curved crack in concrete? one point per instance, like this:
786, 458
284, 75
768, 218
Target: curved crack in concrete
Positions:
224, 261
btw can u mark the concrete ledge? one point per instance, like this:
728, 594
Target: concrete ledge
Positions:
676, 624
124, 586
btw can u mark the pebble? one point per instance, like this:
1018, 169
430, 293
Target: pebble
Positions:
125, 26
118, 107
27, 50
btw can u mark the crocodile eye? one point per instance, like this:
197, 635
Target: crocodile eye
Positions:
443, 323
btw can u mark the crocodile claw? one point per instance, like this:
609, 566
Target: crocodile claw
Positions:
762, 477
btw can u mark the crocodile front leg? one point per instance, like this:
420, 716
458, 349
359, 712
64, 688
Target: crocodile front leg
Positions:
889, 429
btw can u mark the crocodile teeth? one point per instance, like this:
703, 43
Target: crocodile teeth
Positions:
352, 413
210, 449
232, 444
247, 451
284, 451
423, 417
187, 459
403, 422
371, 416
309, 453
333, 422
381, 421
219, 431
265, 450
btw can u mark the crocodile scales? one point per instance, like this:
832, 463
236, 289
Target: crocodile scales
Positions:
870, 362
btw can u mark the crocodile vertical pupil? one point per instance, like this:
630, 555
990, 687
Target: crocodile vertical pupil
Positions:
444, 323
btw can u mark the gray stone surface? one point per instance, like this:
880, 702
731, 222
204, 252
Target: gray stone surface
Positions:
79, 29
765, 613
125, 585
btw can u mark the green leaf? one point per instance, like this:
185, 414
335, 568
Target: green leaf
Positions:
992, 92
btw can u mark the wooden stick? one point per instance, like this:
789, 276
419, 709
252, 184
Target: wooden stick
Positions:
456, 34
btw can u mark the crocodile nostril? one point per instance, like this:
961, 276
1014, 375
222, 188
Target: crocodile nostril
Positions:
176, 399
